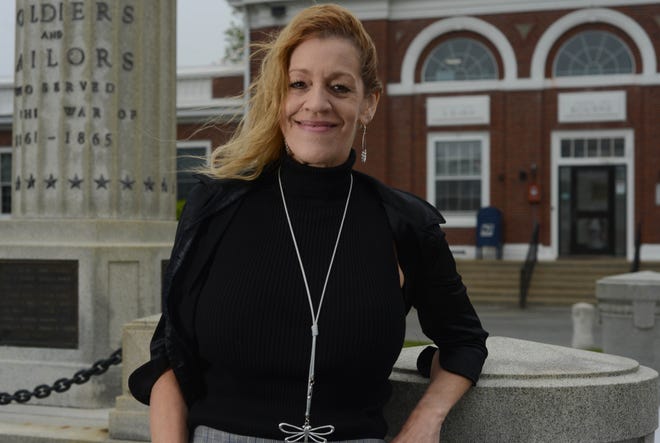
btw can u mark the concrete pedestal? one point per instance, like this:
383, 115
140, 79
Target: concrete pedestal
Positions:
629, 306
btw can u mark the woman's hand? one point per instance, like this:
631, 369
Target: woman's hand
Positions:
167, 411
425, 421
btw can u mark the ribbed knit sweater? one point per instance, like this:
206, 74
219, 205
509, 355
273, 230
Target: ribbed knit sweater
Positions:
252, 321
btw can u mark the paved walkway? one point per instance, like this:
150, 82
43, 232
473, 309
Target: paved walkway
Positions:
551, 325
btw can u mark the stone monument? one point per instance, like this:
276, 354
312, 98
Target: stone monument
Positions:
93, 198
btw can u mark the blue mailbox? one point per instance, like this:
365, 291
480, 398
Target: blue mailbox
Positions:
489, 230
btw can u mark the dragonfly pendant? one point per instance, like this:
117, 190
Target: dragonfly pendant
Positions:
306, 433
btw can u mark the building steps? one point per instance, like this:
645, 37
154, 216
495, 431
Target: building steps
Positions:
560, 282
491, 281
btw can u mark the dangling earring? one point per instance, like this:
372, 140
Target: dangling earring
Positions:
363, 154
286, 148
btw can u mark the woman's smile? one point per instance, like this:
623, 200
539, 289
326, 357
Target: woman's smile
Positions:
315, 126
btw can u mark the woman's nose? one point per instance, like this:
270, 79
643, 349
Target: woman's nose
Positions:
318, 99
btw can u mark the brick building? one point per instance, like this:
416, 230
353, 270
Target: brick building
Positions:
547, 110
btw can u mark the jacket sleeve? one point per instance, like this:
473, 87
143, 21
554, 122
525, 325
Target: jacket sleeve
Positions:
144, 377
444, 310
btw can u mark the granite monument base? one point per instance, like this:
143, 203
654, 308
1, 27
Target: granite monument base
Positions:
74, 317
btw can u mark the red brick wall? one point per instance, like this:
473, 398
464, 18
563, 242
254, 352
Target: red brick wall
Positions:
647, 163
6, 137
217, 133
227, 87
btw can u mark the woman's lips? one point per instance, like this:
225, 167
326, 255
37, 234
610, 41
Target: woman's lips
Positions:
315, 126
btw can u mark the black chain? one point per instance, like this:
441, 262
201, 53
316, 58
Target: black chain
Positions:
63, 384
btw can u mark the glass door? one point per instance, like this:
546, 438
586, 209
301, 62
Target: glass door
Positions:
592, 210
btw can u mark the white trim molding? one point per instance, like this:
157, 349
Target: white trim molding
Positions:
478, 26
609, 16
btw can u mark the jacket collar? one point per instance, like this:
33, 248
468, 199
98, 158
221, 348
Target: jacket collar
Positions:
405, 205
401, 207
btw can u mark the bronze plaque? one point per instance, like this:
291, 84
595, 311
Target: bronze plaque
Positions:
39, 303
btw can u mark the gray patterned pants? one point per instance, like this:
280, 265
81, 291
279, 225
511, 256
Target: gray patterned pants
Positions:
204, 434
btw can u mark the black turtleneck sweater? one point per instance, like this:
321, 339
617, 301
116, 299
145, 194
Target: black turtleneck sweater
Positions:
252, 319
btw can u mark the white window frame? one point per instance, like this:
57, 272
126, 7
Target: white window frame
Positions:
459, 220
8, 150
190, 144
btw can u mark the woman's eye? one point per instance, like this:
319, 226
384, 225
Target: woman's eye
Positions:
340, 89
297, 85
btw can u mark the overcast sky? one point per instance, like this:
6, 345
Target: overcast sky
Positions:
200, 33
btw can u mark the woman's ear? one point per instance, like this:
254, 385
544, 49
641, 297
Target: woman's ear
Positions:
369, 106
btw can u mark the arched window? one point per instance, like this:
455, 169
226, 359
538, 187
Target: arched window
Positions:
460, 58
593, 53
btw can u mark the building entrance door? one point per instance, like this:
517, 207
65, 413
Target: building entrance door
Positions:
592, 219
593, 210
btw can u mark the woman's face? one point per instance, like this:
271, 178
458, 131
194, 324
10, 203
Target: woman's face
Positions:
325, 101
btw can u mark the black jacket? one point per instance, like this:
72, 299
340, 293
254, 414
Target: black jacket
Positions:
432, 284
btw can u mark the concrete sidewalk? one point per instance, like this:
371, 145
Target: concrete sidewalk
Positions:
546, 324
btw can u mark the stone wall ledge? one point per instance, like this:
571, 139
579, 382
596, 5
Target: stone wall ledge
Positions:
537, 392
527, 392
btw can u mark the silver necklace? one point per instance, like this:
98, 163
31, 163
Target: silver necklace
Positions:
306, 432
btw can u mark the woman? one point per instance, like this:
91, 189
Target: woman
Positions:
291, 274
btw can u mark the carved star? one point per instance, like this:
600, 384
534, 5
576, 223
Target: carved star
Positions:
75, 181
50, 182
31, 180
127, 183
149, 185
163, 185
18, 183
101, 182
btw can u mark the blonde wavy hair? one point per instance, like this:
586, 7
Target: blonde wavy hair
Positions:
258, 139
